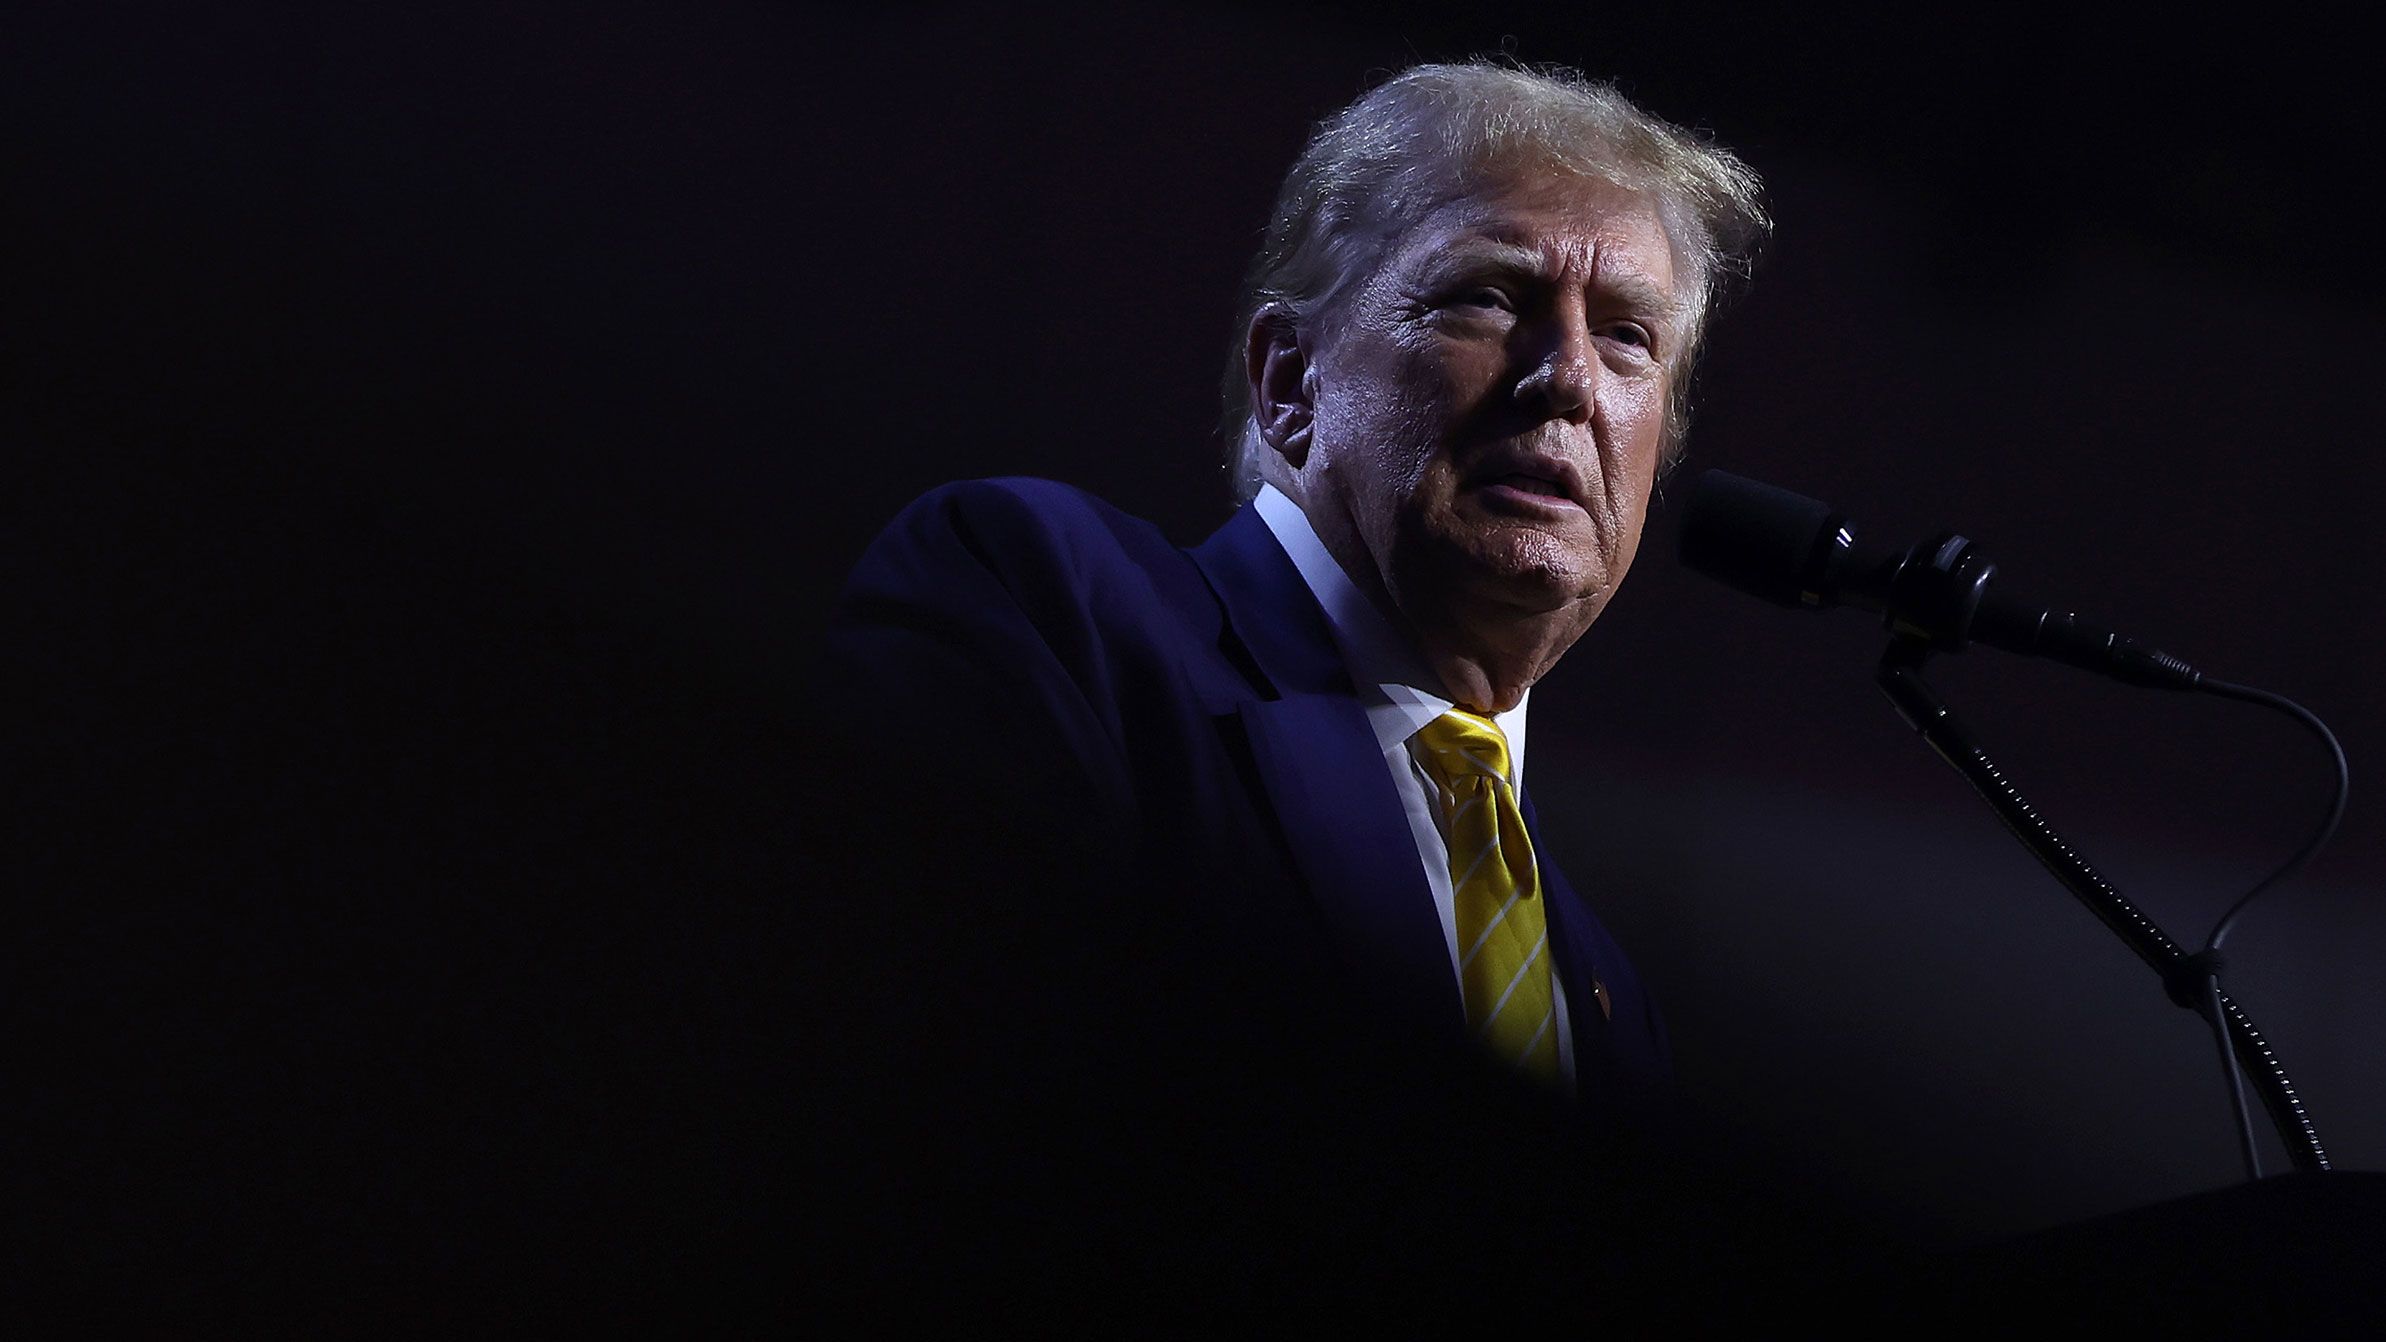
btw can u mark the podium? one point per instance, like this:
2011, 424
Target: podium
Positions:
2294, 1256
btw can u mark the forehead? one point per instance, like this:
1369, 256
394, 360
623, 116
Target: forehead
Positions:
1557, 222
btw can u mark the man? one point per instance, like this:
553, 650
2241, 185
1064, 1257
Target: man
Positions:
1208, 880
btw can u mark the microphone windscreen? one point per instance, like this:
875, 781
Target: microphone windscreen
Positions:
1761, 539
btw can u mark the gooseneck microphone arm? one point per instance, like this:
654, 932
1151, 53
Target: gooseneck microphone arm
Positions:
2192, 981
1941, 596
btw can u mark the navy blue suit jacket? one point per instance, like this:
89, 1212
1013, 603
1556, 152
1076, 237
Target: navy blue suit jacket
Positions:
1147, 1013
1180, 722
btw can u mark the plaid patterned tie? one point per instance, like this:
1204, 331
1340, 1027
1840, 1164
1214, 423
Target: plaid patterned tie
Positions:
1503, 935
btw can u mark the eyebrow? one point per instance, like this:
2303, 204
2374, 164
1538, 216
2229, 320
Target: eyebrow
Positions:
1635, 291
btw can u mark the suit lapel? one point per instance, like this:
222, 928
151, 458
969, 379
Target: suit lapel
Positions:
1270, 608
1325, 780
1317, 758
1351, 840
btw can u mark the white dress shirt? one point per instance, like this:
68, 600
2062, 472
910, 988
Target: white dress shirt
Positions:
1401, 694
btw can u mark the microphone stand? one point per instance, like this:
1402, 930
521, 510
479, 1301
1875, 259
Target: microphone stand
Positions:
2189, 980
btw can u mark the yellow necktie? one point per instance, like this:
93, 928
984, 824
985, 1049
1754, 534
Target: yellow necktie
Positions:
1503, 934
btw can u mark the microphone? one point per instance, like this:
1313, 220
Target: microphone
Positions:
1796, 551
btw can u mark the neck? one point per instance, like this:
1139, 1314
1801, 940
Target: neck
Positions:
1488, 664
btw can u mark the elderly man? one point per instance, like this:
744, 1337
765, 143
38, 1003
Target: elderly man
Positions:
1215, 868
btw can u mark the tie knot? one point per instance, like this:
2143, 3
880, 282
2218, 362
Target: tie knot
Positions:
1459, 744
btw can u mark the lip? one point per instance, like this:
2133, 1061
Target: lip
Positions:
1491, 481
1509, 498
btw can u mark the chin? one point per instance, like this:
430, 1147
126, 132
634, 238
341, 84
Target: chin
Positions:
1527, 569
1538, 583
1533, 558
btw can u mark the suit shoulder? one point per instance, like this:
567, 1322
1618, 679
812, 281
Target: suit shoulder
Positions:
1023, 508
1023, 525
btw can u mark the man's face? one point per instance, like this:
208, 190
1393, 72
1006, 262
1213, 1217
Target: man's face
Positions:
1489, 411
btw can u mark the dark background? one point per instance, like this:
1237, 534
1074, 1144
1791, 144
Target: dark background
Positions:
435, 438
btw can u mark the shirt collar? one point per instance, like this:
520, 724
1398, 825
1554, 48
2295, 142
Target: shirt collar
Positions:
1399, 692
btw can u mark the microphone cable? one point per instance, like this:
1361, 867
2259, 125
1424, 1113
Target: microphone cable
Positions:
2208, 963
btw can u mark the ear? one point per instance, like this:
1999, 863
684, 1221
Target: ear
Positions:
1283, 383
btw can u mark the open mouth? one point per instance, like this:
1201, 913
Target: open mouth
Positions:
1533, 485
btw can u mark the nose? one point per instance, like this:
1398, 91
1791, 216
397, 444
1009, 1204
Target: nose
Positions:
1563, 379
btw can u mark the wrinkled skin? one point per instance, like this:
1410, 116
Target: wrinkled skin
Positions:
1476, 438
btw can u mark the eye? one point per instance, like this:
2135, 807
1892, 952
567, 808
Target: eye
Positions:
1628, 333
1485, 297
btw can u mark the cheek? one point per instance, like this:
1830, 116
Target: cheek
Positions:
1403, 486
1463, 374
1636, 425
1639, 407
1407, 430
1444, 395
